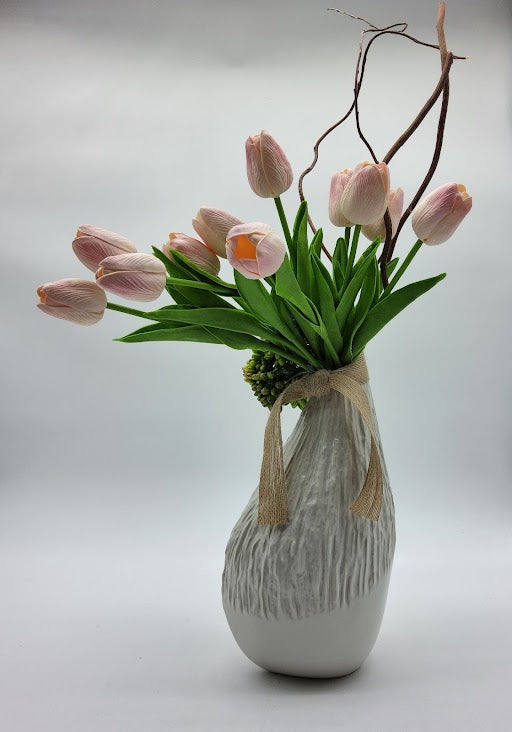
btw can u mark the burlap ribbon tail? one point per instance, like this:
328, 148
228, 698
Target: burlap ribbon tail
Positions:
347, 381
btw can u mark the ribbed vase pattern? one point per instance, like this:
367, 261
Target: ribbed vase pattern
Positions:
326, 555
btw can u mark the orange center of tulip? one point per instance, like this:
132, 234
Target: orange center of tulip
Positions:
100, 273
42, 295
244, 249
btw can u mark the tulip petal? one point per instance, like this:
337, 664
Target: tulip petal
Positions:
136, 262
92, 244
212, 225
80, 317
268, 170
140, 286
438, 215
109, 237
194, 249
365, 197
76, 300
270, 254
255, 250
338, 184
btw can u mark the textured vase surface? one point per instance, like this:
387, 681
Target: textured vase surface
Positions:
307, 599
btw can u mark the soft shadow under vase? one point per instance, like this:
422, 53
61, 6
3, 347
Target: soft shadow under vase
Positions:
307, 599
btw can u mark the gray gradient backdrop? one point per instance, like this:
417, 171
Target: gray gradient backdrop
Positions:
124, 467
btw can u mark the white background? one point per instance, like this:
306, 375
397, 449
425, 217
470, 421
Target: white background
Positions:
124, 467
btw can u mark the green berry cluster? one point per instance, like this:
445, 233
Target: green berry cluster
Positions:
268, 375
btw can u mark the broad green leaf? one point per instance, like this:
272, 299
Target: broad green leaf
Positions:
341, 255
200, 294
339, 274
316, 243
283, 311
353, 287
172, 266
326, 275
378, 290
198, 285
360, 311
199, 273
178, 294
162, 332
238, 341
310, 331
325, 304
288, 288
236, 320
387, 308
362, 259
299, 218
301, 246
194, 333
391, 266
180, 279
260, 303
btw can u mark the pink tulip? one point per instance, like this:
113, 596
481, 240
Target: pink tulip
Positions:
134, 276
395, 206
212, 225
255, 250
93, 244
268, 169
79, 301
437, 216
338, 184
365, 198
194, 249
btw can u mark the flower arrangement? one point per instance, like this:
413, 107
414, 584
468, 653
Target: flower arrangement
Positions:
299, 305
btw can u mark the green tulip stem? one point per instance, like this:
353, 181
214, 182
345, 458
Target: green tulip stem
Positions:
347, 236
128, 311
352, 253
284, 222
414, 250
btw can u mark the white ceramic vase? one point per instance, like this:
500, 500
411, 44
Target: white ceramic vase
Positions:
307, 599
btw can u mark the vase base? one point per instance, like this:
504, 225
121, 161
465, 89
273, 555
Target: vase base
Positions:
327, 645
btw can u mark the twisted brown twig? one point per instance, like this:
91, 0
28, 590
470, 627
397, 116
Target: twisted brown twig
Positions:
442, 87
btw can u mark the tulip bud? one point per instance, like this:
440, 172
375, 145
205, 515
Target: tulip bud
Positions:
212, 225
268, 169
338, 184
437, 216
194, 249
93, 244
255, 250
79, 301
134, 276
365, 197
395, 207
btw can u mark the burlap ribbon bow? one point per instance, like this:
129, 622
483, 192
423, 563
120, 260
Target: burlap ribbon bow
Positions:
348, 380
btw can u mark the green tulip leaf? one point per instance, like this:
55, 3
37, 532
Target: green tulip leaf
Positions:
301, 247
162, 332
199, 273
352, 288
326, 275
299, 234
198, 285
259, 302
340, 255
361, 309
339, 275
387, 308
325, 303
289, 289
316, 243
